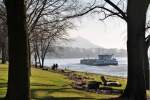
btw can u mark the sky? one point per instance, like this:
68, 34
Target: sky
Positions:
110, 33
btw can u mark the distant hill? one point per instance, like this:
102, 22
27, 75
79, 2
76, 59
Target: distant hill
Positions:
79, 42
80, 47
69, 52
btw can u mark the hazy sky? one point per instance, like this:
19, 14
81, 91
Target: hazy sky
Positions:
109, 34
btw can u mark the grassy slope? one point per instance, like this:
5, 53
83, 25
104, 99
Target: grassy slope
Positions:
46, 85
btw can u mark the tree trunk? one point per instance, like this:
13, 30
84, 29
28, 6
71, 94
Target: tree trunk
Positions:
29, 56
136, 88
146, 68
42, 62
35, 59
4, 53
18, 75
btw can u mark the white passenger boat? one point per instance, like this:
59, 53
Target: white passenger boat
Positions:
101, 61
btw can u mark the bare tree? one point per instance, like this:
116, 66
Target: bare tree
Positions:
48, 38
52, 11
136, 87
123, 14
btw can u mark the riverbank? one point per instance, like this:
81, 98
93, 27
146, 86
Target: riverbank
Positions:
54, 85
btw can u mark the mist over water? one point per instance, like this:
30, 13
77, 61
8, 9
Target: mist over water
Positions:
74, 65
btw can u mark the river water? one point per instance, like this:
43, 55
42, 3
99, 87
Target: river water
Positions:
74, 65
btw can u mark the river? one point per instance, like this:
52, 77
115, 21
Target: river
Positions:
74, 65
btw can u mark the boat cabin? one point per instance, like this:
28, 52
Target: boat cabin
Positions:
105, 57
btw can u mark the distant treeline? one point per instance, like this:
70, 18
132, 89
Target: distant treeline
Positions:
69, 52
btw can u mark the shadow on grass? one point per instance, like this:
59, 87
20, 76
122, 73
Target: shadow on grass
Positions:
39, 84
79, 98
2, 98
3, 85
110, 99
66, 98
73, 98
69, 98
35, 94
4, 69
46, 89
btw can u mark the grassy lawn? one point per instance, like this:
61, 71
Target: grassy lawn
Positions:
46, 85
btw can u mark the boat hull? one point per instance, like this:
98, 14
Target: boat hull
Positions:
97, 62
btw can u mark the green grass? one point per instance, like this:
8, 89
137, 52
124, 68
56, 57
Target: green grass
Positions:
46, 85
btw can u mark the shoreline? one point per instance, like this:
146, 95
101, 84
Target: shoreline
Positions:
89, 73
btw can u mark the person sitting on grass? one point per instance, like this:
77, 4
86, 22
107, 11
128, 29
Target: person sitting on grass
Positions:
109, 83
54, 67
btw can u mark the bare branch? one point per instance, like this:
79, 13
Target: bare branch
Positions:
124, 16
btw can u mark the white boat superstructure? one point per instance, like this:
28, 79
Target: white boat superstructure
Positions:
102, 60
